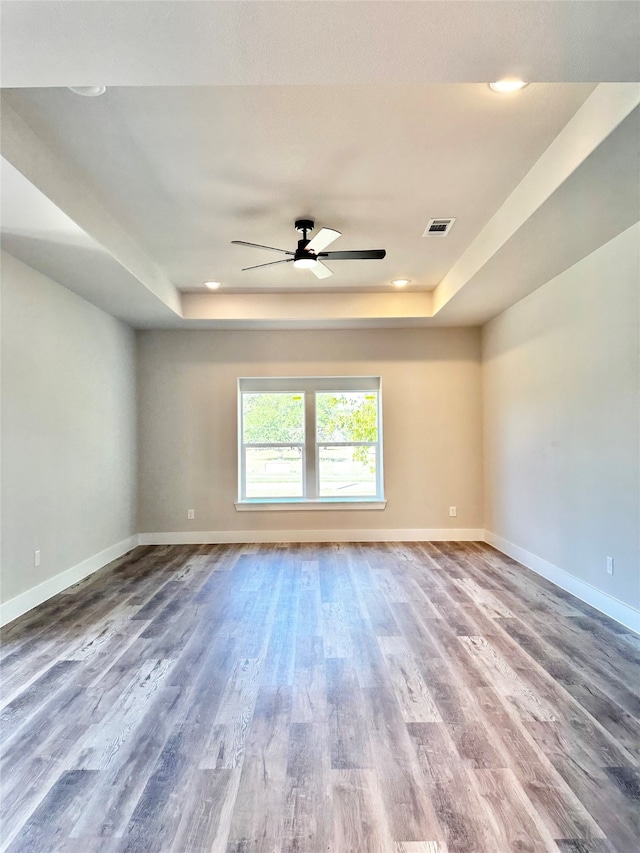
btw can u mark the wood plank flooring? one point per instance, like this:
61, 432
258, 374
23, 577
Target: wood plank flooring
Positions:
366, 698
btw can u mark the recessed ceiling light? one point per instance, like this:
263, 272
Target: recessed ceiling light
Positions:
213, 285
401, 282
508, 85
88, 91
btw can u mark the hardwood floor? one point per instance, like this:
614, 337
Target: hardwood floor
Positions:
396, 698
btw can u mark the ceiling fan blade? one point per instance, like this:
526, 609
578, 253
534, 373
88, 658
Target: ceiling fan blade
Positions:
270, 264
364, 255
320, 271
322, 239
259, 246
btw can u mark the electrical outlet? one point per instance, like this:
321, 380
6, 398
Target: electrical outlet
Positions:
609, 565
36, 557
191, 514
453, 511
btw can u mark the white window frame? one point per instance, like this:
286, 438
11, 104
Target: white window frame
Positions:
307, 387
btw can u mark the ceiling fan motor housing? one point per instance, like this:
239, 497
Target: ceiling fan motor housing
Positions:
302, 252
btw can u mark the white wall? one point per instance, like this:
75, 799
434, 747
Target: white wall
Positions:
68, 430
562, 420
188, 419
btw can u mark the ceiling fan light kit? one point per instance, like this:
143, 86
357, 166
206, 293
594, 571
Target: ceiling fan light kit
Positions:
309, 252
305, 263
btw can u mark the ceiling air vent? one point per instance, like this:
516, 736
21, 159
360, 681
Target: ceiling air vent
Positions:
440, 227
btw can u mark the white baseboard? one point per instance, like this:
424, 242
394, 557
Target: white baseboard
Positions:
220, 537
15, 607
607, 604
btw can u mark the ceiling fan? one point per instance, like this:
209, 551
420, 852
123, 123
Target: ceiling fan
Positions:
309, 252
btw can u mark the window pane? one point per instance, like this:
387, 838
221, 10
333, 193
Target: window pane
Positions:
274, 472
347, 471
348, 416
272, 417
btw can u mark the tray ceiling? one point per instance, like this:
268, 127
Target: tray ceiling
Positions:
223, 121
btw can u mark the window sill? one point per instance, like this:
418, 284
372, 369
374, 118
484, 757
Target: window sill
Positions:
295, 505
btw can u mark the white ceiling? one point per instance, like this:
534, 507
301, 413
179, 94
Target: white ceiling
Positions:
188, 169
597, 201
302, 42
39, 233
227, 121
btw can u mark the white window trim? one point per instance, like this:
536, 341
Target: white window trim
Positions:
296, 504
308, 386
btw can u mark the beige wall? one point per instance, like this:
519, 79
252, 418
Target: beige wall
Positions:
68, 429
559, 391
561, 420
188, 413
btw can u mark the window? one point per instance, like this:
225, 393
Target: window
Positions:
310, 441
